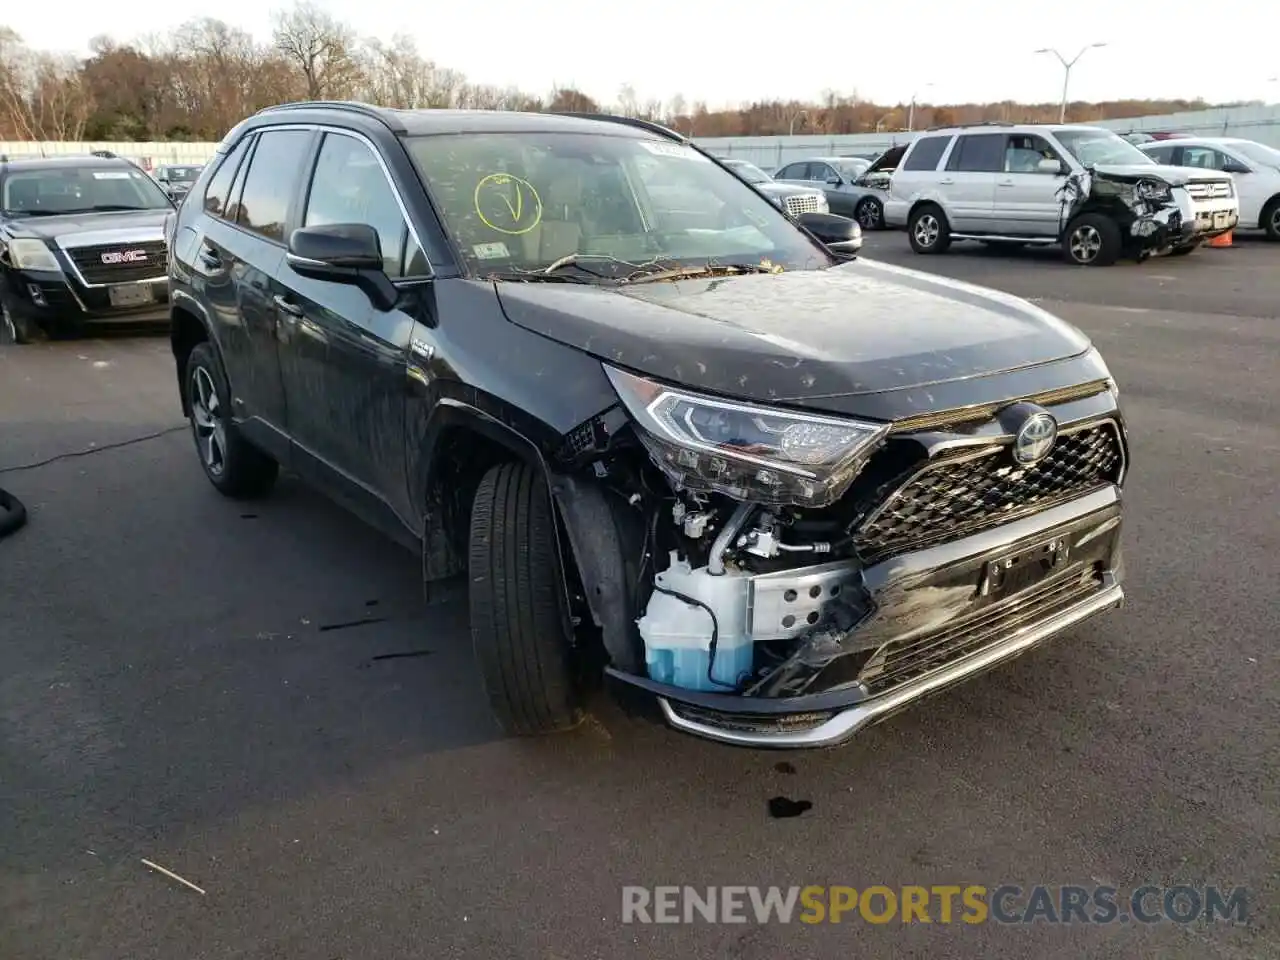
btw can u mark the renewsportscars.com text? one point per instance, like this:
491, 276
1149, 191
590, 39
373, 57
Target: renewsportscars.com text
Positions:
970, 904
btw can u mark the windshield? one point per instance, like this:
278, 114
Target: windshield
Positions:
1100, 146
1259, 153
749, 171
854, 168
600, 207
179, 174
51, 191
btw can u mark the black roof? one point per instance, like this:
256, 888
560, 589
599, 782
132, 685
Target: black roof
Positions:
425, 122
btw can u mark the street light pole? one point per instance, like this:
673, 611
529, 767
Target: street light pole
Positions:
1066, 73
911, 110
791, 130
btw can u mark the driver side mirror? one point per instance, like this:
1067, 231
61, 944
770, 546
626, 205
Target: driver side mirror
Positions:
1055, 167
840, 235
835, 182
1232, 166
343, 253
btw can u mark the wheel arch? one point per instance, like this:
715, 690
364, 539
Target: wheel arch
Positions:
598, 542
187, 327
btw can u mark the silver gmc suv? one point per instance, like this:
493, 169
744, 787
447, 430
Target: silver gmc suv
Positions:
1085, 188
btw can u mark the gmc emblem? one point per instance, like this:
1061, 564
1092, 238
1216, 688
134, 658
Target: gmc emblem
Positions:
124, 256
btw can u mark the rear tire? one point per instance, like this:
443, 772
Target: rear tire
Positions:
1091, 240
928, 230
869, 214
233, 465
1271, 219
519, 626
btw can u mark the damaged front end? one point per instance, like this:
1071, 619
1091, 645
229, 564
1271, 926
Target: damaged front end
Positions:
791, 578
1155, 213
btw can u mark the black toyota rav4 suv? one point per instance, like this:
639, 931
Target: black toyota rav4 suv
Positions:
782, 491
81, 240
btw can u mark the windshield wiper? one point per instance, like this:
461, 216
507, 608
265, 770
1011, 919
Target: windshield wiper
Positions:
579, 260
112, 208
705, 270
536, 276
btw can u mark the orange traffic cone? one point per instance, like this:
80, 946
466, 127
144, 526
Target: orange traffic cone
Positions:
1222, 239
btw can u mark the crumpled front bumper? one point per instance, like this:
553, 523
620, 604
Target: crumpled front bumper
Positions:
1185, 221
930, 596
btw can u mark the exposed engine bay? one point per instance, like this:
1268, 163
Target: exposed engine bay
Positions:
773, 549
746, 598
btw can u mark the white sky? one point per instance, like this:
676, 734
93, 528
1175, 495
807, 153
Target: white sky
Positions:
740, 50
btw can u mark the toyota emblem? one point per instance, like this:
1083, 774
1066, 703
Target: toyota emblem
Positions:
1035, 438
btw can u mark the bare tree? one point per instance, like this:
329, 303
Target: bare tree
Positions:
324, 50
628, 103
42, 95
676, 108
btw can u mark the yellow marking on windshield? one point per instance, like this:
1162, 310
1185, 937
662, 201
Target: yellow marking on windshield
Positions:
501, 204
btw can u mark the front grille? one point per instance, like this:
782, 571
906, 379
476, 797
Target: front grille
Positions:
89, 261
900, 661
1210, 189
956, 496
803, 203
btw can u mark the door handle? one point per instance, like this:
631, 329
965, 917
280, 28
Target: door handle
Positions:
946, 181
1004, 183
287, 305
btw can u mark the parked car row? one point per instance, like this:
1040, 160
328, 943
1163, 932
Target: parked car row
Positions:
1098, 195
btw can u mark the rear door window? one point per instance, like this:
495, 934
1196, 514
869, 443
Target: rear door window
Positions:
272, 181
926, 153
978, 153
219, 189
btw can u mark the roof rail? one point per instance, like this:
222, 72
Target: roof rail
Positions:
977, 123
104, 154
649, 125
351, 106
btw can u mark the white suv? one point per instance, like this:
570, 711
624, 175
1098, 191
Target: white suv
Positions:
1083, 187
1253, 166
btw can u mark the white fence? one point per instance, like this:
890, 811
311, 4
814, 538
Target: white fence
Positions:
146, 154
1261, 123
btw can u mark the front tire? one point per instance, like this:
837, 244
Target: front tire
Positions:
1271, 219
869, 214
14, 327
519, 625
1091, 240
928, 230
233, 465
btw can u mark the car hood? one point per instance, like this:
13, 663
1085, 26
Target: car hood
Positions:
1174, 176
52, 228
775, 189
858, 328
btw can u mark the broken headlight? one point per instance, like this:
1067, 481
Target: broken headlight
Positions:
747, 452
1152, 190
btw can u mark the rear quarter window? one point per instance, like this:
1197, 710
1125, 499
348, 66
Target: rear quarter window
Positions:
925, 153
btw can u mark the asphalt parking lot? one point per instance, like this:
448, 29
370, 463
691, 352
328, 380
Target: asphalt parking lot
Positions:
255, 698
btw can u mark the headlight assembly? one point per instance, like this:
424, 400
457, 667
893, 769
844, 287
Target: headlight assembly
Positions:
31, 255
1152, 190
744, 451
